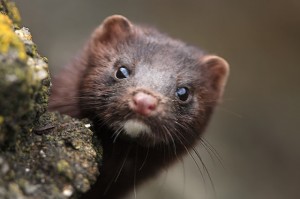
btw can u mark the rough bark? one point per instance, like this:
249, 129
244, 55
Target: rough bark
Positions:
42, 154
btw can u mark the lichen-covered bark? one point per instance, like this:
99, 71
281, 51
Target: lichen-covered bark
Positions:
42, 154
9, 8
24, 79
58, 159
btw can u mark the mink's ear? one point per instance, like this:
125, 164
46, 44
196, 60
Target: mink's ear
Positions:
113, 29
218, 70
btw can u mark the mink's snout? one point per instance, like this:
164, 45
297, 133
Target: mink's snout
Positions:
143, 103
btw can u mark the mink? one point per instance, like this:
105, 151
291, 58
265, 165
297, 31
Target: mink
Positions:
148, 95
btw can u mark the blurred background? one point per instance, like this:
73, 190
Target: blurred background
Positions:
255, 130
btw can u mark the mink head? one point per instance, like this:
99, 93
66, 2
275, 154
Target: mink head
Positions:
144, 85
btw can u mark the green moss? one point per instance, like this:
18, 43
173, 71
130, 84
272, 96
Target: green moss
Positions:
9, 40
64, 168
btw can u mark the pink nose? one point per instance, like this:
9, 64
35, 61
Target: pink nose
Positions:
144, 103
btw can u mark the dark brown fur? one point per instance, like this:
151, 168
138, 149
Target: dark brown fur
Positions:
158, 65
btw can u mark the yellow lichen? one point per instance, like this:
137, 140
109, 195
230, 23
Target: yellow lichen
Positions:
14, 13
5, 20
8, 39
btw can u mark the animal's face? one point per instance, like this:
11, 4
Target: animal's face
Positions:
148, 86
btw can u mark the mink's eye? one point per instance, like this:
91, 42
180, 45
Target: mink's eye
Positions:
122, 73
182, 93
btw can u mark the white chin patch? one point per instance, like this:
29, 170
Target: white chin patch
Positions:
134, 128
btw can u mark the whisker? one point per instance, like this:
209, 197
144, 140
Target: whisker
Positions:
144, 159
117, 133
186, 149
118, 174
230, 112
184, 177
177, 133
167, 146
135, 168
213, 150
170, 136
211, 154
206, 171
